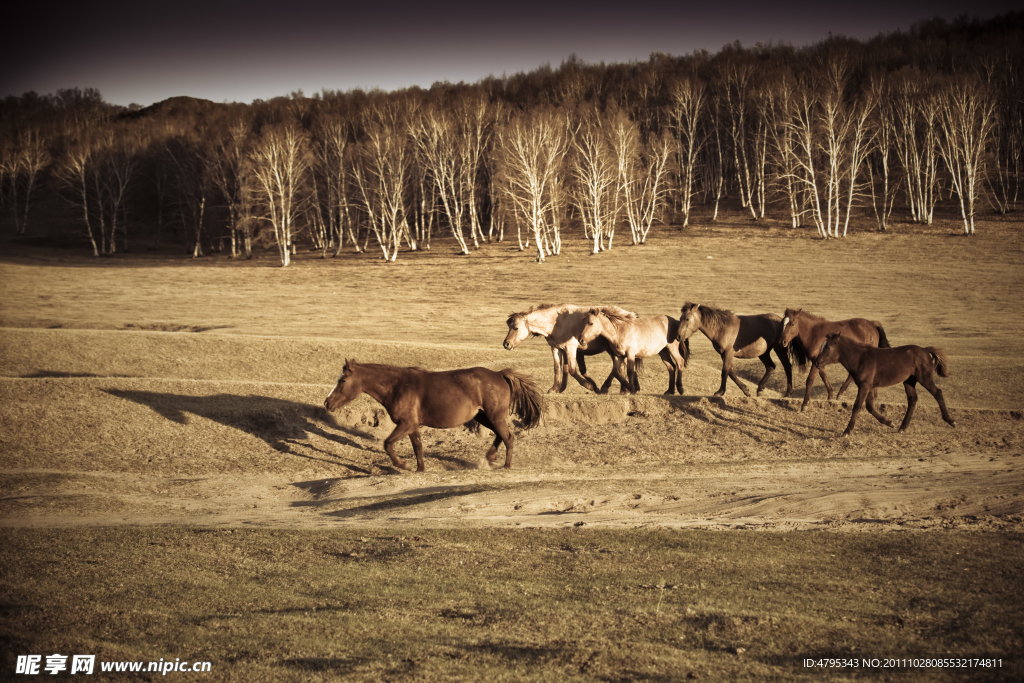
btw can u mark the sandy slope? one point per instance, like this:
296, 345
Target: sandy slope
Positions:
147, 451
172, 392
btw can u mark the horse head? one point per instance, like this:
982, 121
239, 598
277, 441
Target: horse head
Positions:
592, 327
689, 321
518, 330
347, 388
789, 328
829, 351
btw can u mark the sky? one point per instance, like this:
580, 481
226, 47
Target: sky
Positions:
144, 52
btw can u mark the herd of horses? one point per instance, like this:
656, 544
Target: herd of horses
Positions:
414, 397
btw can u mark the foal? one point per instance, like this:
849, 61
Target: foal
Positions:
872, 367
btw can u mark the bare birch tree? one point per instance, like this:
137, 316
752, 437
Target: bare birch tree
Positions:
280, 160
77, 171
228, 168
382, 172
331, 135
916, 107
688, 109
596, 189
880, 157
533, 147
966, 117
441, 148
642, 173
22, 162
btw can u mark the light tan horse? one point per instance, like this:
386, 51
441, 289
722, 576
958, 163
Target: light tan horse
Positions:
560, 325
738, 336
632, 338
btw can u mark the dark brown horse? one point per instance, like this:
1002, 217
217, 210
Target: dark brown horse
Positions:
872, 367
414, 397
738, 336
804, 333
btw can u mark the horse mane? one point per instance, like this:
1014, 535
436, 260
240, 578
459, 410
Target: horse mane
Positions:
719, 317
534, 309
790, 313
381, 366
615, 314
798, 353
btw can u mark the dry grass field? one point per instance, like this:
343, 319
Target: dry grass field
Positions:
153, 393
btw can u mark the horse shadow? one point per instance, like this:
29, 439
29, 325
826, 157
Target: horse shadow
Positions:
280, 423
717, 410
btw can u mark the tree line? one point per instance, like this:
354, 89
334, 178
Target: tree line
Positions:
815, 135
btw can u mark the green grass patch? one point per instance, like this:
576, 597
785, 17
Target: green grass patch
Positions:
532, 604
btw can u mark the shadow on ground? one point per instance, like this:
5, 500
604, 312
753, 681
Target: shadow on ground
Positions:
278, 422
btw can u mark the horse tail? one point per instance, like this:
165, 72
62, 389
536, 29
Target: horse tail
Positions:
798, 353
525, 400
639, 365
883, 341
941, 360
684, 351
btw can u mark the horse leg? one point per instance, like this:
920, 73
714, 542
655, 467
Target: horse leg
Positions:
846, 383
726, 371
584, 381
828, 385
911, 402
858, 405
560, 377
617, 373
769, 368
581, 363
870, 403
679, 360
492, 452
611, 376
928, 382
787, 367
403, 429
417, 448
634, 383
810, 383
670, 365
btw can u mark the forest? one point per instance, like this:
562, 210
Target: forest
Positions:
813, 136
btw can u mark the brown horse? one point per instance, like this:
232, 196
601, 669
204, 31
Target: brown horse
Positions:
414, 397
738, 336
804, 333
872, 367
630, 338
560, 325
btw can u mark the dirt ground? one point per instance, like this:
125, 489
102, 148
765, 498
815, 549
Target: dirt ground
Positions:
150, 389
